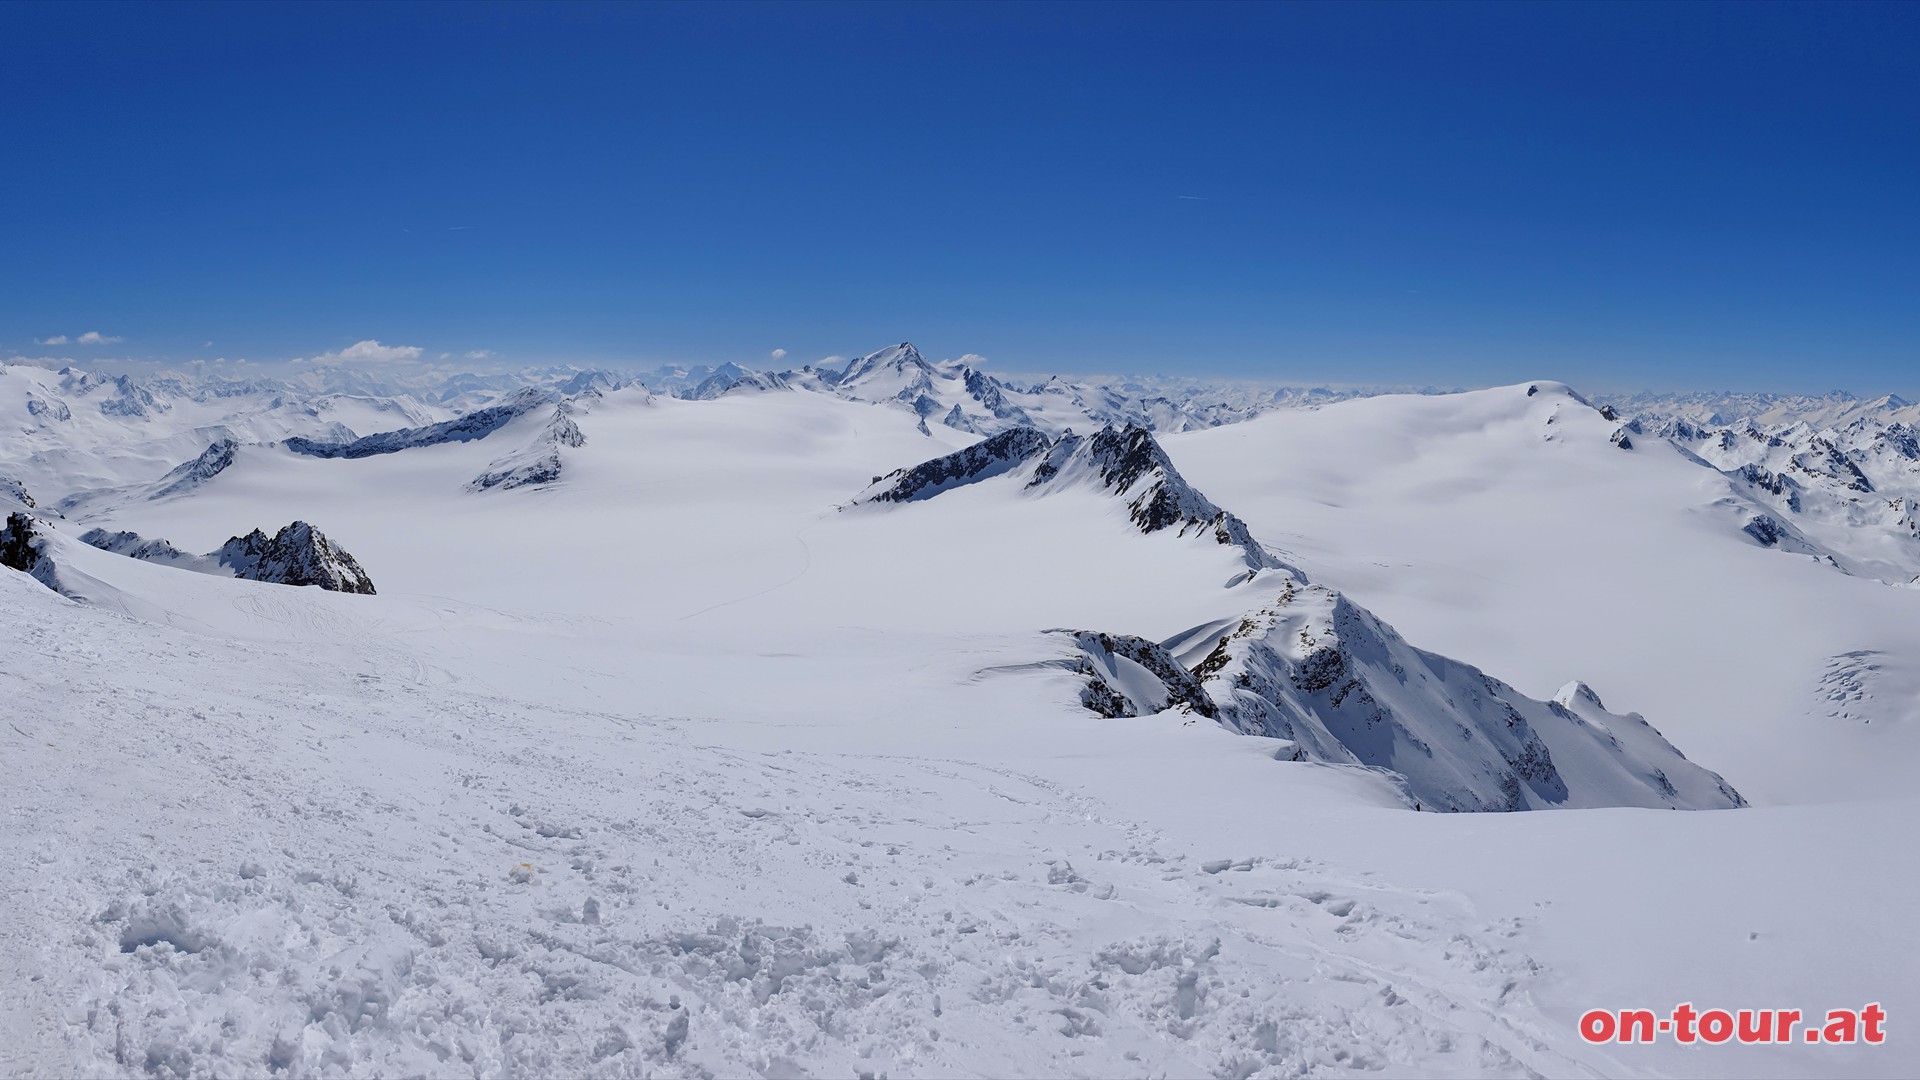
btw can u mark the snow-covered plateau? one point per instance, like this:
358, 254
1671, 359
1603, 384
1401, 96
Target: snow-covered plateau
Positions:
899, 719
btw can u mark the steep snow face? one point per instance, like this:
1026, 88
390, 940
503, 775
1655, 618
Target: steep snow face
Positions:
1337, 685
1131, 676
1127, 464
134, 546
897, 372
1133, 466
539, 462
1319, 671
298, 554
211, 462
729, 379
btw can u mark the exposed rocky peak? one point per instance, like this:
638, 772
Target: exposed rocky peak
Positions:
189, 475
131, 398
737, 380
1130, 463
20, 545
902, 358
958, 421
49, 409
1823, 458
593, 382
77, 382
1340, 686
539, 462
298, 554
1678, 430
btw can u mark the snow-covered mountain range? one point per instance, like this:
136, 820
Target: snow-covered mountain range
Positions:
1113, 726
1835, 477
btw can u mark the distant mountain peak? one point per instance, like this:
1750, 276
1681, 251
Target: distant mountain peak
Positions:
894, 358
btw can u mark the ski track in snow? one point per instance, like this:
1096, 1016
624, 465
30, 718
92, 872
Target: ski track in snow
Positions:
385, 874
806, 555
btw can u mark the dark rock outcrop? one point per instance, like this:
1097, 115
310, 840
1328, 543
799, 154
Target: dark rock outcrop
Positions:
1127, 462
989, 457
19, 547
48, 408
13, 491
1765, 530
296, 555
1177, 685
475, 425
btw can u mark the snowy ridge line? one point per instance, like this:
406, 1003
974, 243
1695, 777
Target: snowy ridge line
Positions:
185, 477
539, 462
474, 425
298, 554
957, 394
1341, 687
1127, 463
1834, 478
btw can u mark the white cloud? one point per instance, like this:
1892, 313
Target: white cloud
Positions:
778, 354
479, 354
57, 339
973, 360
369, 351
95, 337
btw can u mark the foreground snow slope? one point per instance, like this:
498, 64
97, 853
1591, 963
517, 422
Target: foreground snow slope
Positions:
273, 828
345, 834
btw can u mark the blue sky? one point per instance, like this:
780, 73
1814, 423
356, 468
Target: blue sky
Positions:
1618, 195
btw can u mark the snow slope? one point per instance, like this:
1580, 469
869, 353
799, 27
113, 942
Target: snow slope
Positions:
282, 828
1503, 525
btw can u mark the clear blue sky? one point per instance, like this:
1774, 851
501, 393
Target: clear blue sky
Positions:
1617, 195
